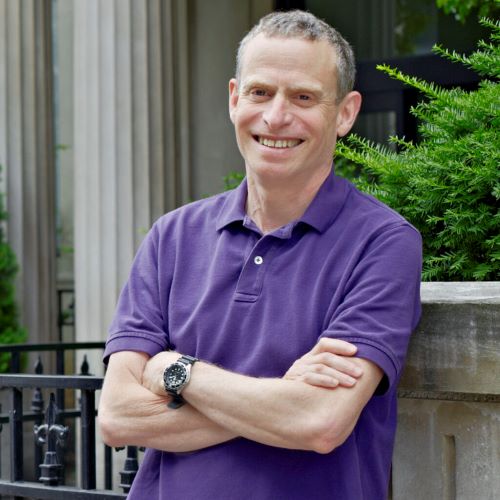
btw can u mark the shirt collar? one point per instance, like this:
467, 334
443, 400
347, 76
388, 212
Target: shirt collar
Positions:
320, 214
233, 209
327, 203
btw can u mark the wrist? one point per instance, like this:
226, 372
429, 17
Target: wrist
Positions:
176, 377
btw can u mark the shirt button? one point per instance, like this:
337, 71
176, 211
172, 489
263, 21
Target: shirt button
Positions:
258, 260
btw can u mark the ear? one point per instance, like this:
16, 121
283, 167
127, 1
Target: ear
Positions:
233, 97
348, 111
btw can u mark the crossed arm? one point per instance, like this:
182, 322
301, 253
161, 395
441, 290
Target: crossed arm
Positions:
313, 407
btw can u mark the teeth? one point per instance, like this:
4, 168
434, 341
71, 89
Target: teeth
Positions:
279, 144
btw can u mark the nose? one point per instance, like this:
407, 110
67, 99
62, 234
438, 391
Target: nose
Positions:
277, 114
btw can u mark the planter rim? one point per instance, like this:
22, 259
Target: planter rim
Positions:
463, 292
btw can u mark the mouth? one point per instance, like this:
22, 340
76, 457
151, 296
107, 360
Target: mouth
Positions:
278, 143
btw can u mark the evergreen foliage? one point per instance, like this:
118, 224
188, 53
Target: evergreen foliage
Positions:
448, 184
461, 9
232, 180
10, 331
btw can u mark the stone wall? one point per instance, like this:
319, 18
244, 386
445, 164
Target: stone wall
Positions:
448, 440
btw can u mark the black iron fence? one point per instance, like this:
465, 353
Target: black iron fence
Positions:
41, 430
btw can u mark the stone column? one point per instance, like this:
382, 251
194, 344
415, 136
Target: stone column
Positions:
150, 130
131, 141
26, 156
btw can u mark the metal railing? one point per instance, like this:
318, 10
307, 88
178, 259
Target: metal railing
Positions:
52, 425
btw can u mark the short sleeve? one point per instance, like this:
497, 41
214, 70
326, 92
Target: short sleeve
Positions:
381, 302
139, 323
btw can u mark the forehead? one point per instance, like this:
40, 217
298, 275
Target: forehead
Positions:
292, 57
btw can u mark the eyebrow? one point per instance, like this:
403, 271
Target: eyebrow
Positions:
311, 89
254, 83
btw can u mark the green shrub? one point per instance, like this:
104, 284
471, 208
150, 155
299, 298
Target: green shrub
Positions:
232, 180
10, 331
448, 184
462, 8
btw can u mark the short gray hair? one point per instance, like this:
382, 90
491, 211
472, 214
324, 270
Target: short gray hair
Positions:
300, 24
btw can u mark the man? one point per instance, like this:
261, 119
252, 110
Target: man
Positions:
259, 340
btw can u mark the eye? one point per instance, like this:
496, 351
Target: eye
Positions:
259, 92
304, 99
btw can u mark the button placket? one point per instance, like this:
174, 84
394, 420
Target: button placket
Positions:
252, 275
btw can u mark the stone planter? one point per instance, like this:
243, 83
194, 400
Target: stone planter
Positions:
448, 440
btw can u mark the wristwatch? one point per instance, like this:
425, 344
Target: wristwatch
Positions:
175, 378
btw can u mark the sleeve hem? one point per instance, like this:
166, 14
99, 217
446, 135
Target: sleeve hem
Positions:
131, 341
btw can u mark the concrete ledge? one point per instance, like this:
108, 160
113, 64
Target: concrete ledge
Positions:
448, 440
461, 292
456, 347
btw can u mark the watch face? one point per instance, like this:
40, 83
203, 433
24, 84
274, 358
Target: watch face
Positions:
175, 376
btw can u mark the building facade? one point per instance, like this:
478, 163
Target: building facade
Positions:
113, 112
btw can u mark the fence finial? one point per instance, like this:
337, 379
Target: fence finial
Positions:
53, 434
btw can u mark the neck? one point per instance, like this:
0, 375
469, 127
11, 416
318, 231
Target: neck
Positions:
273, 205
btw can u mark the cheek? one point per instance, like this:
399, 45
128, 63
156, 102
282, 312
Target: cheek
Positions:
243, 120
317, 123
328, 128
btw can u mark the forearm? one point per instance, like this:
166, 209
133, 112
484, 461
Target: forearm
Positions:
275, 412
129, 414
288, 412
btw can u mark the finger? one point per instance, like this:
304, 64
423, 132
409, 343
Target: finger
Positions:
326, 363
340, 363
335, 346
319, 380
321, 376
342, 378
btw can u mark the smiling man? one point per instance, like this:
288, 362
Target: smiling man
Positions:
258, 343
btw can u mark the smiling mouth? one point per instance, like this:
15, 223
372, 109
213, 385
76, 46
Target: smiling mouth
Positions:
278, 144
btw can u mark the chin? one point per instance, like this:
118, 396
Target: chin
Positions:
271, 169
269, 174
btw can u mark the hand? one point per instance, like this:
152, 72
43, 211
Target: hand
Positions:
327, 365
152, 376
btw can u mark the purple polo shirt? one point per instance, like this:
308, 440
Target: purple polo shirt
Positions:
206, 282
